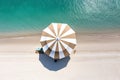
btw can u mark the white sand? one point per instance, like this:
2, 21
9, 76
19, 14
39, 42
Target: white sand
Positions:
94, 60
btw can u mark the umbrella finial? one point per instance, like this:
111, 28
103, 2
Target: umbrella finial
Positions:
57, 38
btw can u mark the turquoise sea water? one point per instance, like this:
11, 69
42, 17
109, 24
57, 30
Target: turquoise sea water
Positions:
35, 15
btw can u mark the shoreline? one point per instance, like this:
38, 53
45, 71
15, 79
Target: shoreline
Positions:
94, 42
81, 31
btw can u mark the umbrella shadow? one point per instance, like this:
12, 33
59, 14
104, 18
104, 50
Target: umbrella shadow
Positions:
49, 63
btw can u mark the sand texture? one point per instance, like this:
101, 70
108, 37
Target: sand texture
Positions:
97, 57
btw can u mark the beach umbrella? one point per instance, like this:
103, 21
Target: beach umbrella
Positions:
58, 40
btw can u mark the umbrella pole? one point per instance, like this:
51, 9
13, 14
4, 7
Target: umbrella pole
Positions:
55, 60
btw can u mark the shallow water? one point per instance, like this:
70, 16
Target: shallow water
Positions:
34, 15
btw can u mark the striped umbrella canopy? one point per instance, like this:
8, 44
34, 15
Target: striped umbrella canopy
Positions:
58, 40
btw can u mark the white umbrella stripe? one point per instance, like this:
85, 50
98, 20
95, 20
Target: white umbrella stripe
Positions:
47, 46
61, 54
59, 46
55, 28
52, 53
50, 43
73, 41
69, 49
62, 28
44, 38
69, 32
47, 30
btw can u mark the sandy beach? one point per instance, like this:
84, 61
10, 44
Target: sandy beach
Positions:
95, 22
97, 58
